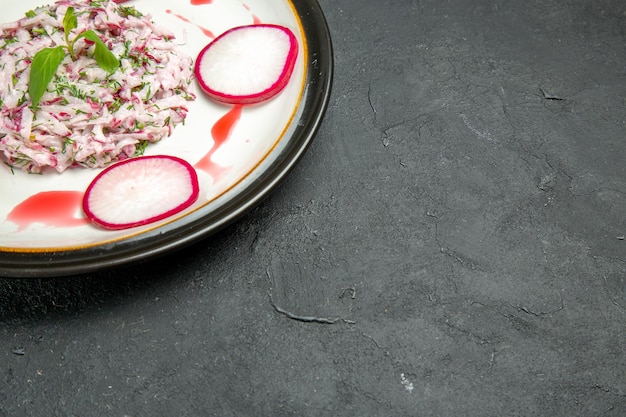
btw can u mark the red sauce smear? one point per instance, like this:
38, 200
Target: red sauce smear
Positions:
224, 126
216, 171
199, 2
220, 131
52, 208
206, 31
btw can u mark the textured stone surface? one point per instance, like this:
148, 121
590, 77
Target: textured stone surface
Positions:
451, 244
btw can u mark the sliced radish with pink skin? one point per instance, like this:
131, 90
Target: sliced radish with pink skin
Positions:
247, 64
140, 191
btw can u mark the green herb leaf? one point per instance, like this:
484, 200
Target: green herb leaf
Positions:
42, 69
69, 20
46, 62
104, 57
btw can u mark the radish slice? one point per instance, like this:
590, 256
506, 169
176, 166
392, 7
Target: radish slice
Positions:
247, 64
139, 191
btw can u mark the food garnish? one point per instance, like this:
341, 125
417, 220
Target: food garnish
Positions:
46, 62
247, 64
140, 191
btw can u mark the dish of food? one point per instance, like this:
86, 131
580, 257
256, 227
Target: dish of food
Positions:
239, 151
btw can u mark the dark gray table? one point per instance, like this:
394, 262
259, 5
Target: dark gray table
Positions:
452, 244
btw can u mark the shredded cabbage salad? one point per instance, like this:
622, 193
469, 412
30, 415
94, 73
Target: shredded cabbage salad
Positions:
88, 117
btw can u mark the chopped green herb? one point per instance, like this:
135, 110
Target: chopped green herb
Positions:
129, 11
140, 148
67, 142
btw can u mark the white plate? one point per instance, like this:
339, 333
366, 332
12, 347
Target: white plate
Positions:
265, 141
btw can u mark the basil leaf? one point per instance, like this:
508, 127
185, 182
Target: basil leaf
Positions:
69, 21
42, 69
104, 57
46, 62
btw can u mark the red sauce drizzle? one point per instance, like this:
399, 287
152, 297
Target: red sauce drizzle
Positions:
52, 208
199, 2
206, 31
220, 131
224, 126
216, 171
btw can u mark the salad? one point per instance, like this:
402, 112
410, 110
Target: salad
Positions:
88, 115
